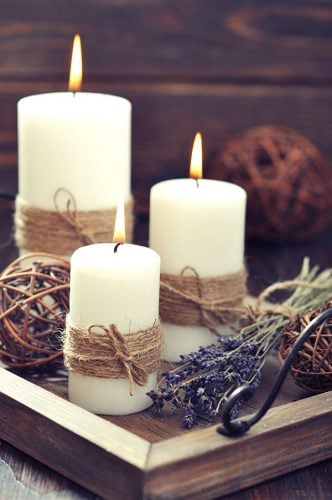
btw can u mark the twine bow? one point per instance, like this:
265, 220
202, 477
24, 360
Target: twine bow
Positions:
118, 350
70, 215
102, 351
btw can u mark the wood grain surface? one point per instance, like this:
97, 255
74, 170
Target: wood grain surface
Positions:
215, 471
234, 40
192, 64
76, 442
195, 464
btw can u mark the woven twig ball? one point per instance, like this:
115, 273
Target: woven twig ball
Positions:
34, 300
312, 367
287, 179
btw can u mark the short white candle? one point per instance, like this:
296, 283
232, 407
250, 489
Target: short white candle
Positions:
107, 288
199, 225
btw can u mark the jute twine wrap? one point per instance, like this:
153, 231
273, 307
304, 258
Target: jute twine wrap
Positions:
65, 229
188, 299
102, 351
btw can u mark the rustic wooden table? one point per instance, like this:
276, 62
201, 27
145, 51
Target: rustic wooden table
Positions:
22, 477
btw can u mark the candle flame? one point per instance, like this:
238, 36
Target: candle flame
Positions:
75, 75
119, 235
196, 158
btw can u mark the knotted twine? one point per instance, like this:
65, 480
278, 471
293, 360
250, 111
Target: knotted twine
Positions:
188, 299
102, 351
62, 231
262, 307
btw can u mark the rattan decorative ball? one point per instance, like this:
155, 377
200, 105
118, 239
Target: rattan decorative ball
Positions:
312, 367
287, 179
34, 300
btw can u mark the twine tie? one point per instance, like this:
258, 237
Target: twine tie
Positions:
65, 228
119, 351
192, 300
109, 354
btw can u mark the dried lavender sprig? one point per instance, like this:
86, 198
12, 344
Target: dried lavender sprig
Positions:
200, 385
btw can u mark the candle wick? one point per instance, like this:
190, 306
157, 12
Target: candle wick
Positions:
117, 246
197, 184
74, 93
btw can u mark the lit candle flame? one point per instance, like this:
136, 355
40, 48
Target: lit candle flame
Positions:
196, 158
119, 235
75, 75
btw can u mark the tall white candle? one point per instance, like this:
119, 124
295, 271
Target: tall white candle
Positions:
107, 288
199, 224
81, 142
77, 141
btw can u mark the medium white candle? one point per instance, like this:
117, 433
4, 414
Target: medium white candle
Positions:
74, 140
199, 224
107, 288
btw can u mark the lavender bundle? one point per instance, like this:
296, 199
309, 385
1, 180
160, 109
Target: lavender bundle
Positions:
201, 384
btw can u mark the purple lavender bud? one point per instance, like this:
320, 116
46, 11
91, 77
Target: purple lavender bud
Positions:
157, 409
189, 418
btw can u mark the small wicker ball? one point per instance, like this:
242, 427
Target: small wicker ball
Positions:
287, 179
34, 300
312, 367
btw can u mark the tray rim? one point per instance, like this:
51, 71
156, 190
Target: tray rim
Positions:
200, 463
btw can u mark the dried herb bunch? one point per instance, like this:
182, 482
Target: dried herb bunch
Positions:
312, 367
34, 299
200, 385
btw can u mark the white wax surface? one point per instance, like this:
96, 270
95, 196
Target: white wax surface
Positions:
202, 227
80, 142
181, 339
106, 288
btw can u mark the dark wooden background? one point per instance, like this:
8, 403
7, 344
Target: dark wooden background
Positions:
219, 66
186, 65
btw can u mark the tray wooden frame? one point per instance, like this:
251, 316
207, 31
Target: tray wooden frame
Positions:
116, 463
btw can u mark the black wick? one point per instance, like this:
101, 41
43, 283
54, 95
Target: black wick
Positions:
238, 427
7, 195
196, 179
117, 246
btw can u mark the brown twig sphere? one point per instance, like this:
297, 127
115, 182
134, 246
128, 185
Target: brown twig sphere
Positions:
34, 300
287, 179
312, 368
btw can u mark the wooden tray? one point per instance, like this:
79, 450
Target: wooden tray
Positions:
138, 456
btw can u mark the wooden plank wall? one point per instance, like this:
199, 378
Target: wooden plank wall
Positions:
186, 65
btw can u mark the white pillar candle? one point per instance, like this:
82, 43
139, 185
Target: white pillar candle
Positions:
74, 145
107, 288
199, 224
81, 142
